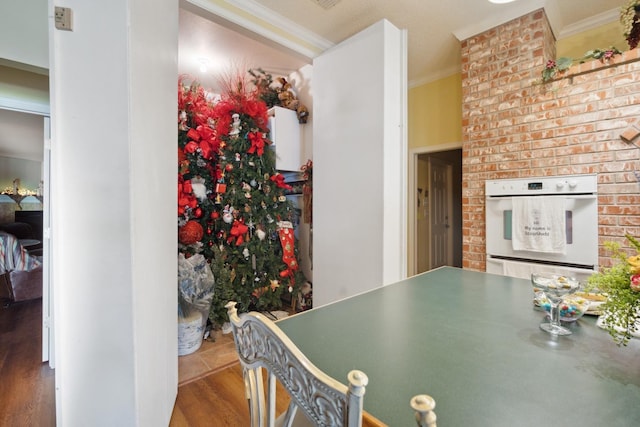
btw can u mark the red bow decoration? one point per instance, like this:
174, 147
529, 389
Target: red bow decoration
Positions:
192, 100
191, 147
257, 143
185, 197
279, 180
202, 137
237, 231
257, 110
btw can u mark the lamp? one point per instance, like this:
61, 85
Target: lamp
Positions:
204, 64
501, 1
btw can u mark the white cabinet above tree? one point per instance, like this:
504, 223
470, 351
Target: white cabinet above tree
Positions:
285, 134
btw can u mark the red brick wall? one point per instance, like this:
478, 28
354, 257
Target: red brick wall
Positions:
514, 127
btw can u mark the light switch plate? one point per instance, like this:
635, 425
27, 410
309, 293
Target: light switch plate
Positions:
63, 18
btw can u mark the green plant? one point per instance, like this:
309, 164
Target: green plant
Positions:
621, 283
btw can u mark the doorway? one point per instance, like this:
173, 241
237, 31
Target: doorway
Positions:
435, 232
28, 160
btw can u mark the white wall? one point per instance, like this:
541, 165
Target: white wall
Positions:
301, 82
359, 169
24, 21
113, 105
28, 171
23, 39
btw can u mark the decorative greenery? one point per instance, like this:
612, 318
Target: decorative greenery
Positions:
629, 17
621, 282
232, 205
307, 190
553, 67
263, 82
283, 96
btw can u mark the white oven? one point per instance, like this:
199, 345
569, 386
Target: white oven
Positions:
547, 224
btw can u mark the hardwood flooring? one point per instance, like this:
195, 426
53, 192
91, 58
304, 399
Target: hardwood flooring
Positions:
212, 356
218, 400
215, 400
27, 395
210, 392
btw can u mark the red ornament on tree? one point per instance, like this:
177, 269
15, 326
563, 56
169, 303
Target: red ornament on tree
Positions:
190, 233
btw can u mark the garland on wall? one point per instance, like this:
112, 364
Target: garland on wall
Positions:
281, 96
630, 20
555, 67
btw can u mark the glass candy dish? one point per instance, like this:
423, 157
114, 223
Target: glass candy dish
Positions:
555, 288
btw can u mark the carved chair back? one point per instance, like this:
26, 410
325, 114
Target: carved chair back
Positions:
323, 401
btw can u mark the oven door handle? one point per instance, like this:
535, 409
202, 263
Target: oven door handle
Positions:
583, 197
566, 196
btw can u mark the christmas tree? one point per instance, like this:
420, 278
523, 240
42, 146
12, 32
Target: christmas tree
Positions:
233, 201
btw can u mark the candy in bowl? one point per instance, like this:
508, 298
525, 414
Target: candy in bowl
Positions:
572, 307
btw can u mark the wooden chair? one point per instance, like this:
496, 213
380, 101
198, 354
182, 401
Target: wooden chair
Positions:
321, 399
423, 406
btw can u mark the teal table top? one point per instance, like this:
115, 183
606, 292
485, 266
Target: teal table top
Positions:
471, 340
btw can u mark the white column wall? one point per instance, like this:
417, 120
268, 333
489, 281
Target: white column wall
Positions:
113, 110
153, 98
395, 155
359, 172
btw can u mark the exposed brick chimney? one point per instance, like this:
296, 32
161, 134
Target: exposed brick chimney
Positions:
514, 126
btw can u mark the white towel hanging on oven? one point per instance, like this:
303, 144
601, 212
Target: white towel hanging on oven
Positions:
538, 224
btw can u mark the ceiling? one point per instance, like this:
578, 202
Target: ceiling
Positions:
434, 29
227, 49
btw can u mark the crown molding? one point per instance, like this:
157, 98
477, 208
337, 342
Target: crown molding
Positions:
23, 106
24, 67
289, 34
432, 77
589, 23
553, 15
509, 12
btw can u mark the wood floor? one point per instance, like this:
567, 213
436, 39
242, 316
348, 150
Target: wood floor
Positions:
211, 391
26, 384
215, 400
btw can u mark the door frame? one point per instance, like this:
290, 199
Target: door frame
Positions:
44, 110
412, 199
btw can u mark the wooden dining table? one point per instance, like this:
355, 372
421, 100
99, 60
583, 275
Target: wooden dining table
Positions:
472, 341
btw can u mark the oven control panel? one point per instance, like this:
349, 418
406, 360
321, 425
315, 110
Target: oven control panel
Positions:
566, 184
535, 186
